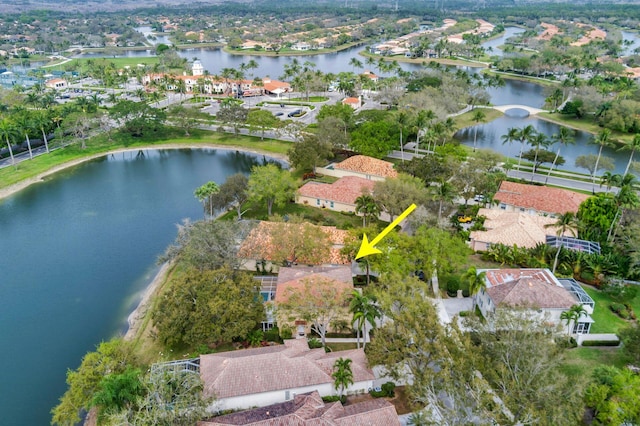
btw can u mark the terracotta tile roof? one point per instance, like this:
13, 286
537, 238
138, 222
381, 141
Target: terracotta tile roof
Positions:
289, 366
258, 244
535, 288
540, 198
351, 101
338, 273
308, 409
345, 190
272, 85
368, 165
284, 289
510, 227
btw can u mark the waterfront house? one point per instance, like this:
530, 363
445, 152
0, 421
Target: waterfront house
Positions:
533, 199
360, 166
339, 196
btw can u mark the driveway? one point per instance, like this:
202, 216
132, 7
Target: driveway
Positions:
454, 306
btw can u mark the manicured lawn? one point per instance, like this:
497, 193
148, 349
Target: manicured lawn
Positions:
311, 99
605, 320
580, 362
465, 120
100, 144
582, 124
336, 347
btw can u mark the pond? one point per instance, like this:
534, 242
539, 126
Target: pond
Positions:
78, 250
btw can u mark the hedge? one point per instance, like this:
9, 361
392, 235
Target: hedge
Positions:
601, 343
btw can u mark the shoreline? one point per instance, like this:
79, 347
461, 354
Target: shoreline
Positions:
136, 318
17, 187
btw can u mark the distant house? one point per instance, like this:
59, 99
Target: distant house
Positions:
340, 195
511, 228
274, 374
535, 289
301, 46
534, 199
275, 87
371, 76
308, 409
360, 166
56, 83
354, 103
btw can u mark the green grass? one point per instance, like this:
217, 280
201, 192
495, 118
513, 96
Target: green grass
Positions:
466, 119
582, 124
580, 362
605, 320
311, 99
336, 347
101, 145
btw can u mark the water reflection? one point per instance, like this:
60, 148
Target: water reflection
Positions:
490, 137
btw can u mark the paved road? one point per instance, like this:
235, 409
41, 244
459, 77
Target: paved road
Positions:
560, 181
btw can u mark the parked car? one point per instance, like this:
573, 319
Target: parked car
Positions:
294, 113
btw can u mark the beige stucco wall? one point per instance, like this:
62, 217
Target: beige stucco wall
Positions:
342, 173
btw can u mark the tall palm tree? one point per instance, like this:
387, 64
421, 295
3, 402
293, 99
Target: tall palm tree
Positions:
478, 117
8, 131
567, 222
627, 197
342, 375
355, 63
602, 139
42, 121
631, 146
367, 206
365, 311
524, 135
477, 282
402, 119
510, 137
538, 140
563, 137
25, 124
419, 123
442, 192
572, 316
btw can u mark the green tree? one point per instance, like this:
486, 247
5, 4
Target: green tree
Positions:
342, 375
233, 191
137, 118
630, 337
594, 163
271, 185
364, 310
374, 139
367, 206
333, 131
613, 395
261, 120
510, 137
8, 132
524, 135
540, 157
477, 117
477, 282
631, 146
565, 136
112, 357
205, 194
118, 392
602, 139
307, 154
395, 195
186, 118
208, 307
300, 242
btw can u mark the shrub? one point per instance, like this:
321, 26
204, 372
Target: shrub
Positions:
389, 389
286, 333
453, 285
601, 343
314, 343
334, 398
464, 313
272, 335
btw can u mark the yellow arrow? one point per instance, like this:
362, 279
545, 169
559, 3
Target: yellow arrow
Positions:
367, 248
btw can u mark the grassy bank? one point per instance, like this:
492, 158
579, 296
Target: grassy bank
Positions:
424, 61
512, 76
291, 52
580, 124
466, 119
101, 145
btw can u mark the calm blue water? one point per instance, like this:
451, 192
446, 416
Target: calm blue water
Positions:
77, 251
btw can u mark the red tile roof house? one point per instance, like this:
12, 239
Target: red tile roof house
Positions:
339, 196
309, 409
354, 103
273, 374
297, 278
535, 289
540, 200
512, 227
360, 166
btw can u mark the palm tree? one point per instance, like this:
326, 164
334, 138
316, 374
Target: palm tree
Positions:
42, 121
567, 222
365, 311
538, 140
602, 139
631, 146
478, 117
509, 138
563, 137
442, 192
477, 282
205, 194
355, 63
572, 316
25, 124
367, 205
402, 119
627, 197
524, 135
419, 123
8, 131
342, 375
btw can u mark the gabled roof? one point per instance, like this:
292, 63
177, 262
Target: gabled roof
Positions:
309, 409
512, 227
368, 165
540, 198
533, 288
345, 190
289, 366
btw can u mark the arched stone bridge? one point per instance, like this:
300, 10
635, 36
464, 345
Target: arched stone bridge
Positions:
530, 110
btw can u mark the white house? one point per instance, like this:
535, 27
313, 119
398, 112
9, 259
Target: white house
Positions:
273, 374
535, 289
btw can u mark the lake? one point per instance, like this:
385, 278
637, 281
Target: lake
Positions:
78, 250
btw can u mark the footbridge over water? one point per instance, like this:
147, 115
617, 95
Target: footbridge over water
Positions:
530, 110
